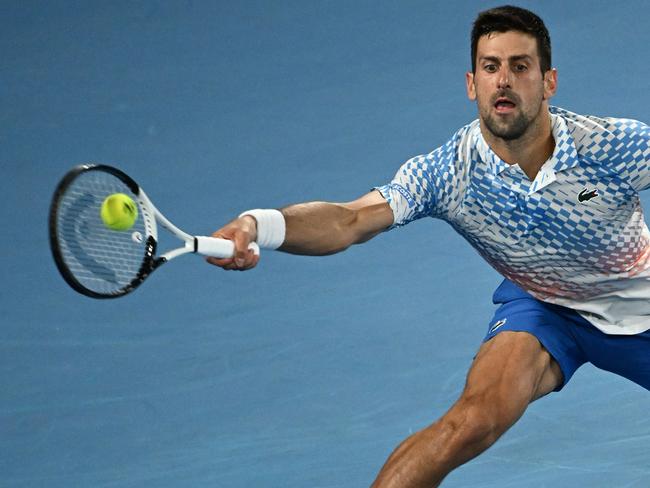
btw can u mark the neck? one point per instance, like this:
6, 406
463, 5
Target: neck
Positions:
531, 150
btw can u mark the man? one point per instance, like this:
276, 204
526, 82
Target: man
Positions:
550, 199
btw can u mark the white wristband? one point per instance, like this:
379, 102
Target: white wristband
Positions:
271, 227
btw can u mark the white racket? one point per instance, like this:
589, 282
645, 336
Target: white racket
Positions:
103, 263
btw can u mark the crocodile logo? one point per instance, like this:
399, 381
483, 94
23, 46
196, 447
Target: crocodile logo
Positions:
586, 195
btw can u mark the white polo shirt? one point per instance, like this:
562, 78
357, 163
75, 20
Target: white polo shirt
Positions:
575, 236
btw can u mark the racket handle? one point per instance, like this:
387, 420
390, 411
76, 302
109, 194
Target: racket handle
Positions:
219, 248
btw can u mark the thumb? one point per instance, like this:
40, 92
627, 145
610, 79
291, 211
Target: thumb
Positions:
241, 241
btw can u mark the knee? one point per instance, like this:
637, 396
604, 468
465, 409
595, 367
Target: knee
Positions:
473, 421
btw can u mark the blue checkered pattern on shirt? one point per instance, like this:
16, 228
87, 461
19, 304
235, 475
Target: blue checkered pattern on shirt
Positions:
574, 236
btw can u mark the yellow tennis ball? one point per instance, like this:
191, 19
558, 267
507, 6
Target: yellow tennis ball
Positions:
119, 211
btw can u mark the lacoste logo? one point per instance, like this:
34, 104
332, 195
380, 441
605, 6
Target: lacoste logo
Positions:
585, 195
498, 324
404, 192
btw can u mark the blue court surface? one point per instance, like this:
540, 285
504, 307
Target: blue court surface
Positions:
305, 372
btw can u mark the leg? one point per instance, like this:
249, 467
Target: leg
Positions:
509, 372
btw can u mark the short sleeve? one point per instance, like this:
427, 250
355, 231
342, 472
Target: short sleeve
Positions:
409, 193
422, 186
633, 144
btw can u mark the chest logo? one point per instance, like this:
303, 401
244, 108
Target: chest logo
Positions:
586, 195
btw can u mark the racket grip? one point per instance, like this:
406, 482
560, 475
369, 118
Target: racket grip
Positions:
219, 248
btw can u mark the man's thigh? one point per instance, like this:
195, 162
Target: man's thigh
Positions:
516, 368
553, 326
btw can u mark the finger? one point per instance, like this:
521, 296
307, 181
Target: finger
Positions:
251, 261
231, 267
241, 241
223, 234
221, 262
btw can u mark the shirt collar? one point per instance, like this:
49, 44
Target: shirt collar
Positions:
565, 154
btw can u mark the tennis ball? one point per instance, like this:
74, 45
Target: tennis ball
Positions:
119, 211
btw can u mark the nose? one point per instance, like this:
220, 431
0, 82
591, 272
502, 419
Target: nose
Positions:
503, 79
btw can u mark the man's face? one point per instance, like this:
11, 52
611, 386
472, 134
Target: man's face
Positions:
508, 84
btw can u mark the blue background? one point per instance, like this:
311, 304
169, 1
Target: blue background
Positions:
304, 371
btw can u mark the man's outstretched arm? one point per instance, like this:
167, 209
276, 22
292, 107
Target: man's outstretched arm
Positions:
314, 228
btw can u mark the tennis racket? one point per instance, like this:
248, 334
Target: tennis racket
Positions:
103, 263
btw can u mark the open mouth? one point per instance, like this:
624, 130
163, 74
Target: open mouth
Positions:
504, 105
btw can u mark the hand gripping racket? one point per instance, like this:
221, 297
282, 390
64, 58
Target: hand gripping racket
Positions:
103, 263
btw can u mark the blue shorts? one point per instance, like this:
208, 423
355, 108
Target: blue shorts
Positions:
569, 338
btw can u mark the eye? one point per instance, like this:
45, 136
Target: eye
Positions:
490, 68
521, 67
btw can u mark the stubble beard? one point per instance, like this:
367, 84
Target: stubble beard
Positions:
508, 131
513, 127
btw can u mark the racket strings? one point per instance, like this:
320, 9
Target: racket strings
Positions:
102, 260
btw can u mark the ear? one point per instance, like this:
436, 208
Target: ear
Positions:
550, 83
469, 83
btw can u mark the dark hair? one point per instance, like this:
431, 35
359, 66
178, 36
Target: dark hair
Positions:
509, 18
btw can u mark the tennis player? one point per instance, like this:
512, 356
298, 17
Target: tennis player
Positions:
550, 199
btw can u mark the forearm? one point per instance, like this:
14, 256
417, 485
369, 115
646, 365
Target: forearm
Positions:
321, 228
316, 229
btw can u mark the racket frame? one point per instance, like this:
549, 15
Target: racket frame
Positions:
209, 246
